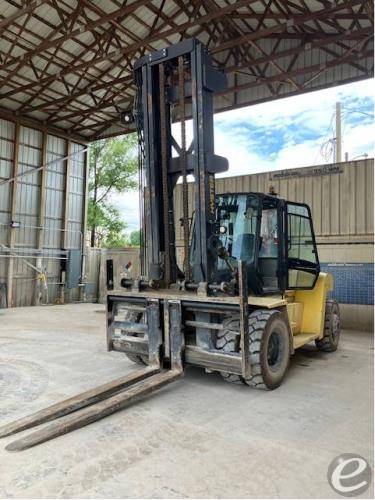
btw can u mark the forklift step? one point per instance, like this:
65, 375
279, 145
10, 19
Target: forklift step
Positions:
302, 339
76, 402
96, 411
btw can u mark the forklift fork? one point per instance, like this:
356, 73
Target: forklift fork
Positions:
97, 403
93, 413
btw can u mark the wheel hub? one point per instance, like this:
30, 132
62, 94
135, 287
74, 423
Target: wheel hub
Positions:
274, 349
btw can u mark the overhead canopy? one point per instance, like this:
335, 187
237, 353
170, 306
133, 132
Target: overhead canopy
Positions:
67, 64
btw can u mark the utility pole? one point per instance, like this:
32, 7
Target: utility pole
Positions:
338, 158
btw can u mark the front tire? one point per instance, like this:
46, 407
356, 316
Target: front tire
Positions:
269, 346
332, 330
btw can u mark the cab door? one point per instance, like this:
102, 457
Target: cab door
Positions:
301, 253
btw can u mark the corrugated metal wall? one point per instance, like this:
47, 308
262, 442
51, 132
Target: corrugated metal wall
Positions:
46, 208
342, 202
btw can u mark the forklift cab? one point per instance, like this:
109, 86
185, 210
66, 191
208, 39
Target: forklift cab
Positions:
274, 237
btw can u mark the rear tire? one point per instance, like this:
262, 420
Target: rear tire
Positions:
331, 334
269, 346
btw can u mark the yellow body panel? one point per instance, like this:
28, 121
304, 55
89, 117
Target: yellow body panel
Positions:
305, 308
314, 304
270, 302
295, 315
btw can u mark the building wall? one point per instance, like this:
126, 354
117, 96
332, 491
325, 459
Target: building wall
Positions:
341, 197
125, 257
47, 206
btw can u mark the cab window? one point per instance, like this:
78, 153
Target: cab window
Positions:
303, 263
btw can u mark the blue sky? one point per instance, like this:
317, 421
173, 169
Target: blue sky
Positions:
287, 133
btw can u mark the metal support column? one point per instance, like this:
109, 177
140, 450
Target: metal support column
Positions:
42, 210
65, 224
12, 233
84, 227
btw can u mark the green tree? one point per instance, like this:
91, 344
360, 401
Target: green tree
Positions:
135, 238
113, 167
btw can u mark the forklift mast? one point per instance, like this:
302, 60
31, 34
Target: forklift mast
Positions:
174, 84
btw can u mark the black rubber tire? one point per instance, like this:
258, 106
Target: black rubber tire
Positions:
266, 373
135, 358
331, 334
228, 340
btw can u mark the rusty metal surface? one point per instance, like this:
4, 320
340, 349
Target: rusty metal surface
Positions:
202, 324
177, 338
244, 319
213, 360
95, 412
154, 332
75, 403
164, 176
268, 302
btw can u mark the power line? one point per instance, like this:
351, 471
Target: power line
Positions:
327, 147
348, 111
326, 140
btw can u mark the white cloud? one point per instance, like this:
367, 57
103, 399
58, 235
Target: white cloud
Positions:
128, 205
359, 140
242, 161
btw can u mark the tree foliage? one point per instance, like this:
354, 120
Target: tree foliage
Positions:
113, 167
135, 238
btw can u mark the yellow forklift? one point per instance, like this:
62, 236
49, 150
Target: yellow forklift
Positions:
249, 291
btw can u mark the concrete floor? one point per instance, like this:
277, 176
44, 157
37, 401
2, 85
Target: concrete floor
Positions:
200, 437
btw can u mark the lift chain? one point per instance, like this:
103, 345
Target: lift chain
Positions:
164, 171
185, 200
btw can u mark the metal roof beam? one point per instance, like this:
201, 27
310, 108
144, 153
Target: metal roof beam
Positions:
297, 50
293, 21
56, 59
29, 122
21, 12
131, 49
317, 68
74, 33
